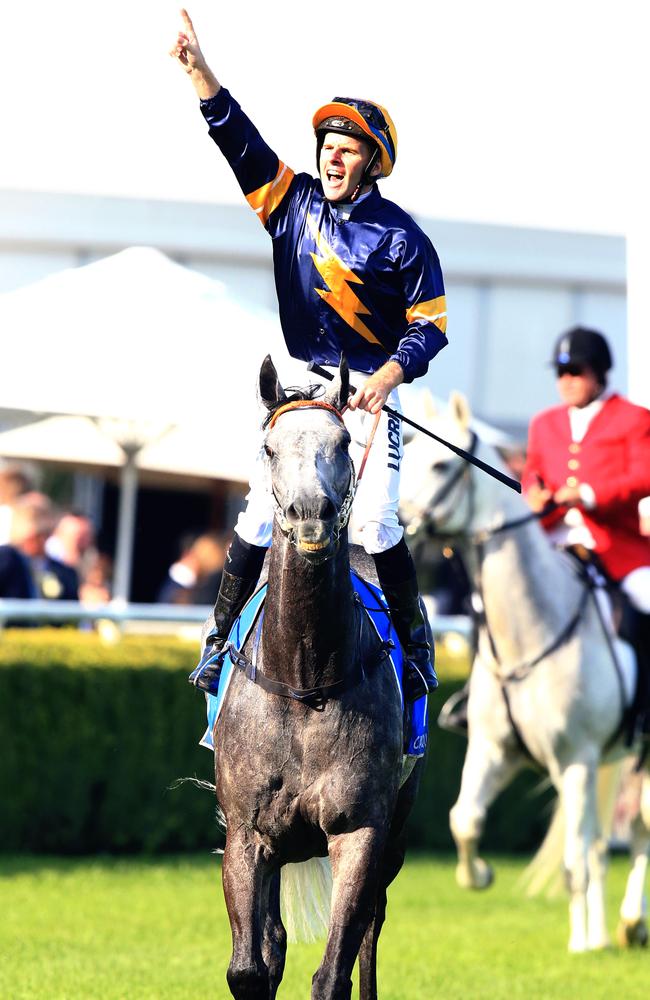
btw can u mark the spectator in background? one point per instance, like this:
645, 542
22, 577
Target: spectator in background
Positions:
95, 585
14, 482
72, 540
26, 570
196, 573
210, 550
181, 575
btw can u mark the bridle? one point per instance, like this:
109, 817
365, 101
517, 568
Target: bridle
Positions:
287, 529
462, 472
446, 489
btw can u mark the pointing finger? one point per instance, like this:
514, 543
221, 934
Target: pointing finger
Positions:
187, 19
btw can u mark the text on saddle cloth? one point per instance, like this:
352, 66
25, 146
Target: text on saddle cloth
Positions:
374, 603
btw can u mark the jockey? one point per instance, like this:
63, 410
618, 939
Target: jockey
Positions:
354, 275
590, 460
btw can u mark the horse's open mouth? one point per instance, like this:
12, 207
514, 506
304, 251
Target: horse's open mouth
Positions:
314, 546
316, 550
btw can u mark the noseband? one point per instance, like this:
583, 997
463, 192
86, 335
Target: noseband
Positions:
343, 517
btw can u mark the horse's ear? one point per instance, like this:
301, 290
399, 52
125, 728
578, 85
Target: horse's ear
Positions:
338, 397
460, 410
271, 392
429, 405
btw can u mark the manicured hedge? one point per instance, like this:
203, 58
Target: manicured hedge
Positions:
94, 735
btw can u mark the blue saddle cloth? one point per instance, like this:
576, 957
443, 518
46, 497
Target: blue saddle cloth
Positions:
374, 602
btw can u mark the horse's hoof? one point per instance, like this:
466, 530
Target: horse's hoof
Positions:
603, 945
632, 934
479, 876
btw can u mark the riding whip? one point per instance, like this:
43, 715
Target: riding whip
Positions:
466, 455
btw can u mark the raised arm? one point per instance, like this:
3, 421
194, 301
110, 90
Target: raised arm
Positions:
187, 53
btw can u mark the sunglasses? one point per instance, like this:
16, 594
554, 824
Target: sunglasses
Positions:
570, 369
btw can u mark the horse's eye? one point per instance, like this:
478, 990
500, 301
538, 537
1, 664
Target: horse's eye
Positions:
269, 451
440, 467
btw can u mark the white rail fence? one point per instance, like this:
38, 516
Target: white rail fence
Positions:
125, 615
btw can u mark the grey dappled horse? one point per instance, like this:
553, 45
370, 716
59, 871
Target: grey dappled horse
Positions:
544, 679
317, 773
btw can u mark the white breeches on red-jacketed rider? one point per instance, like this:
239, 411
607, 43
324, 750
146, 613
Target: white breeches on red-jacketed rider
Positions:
374, 523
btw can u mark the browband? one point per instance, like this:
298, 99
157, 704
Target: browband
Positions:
308, 404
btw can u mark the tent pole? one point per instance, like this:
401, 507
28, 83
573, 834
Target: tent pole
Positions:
126, 526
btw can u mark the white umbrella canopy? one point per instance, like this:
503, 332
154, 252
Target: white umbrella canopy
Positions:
138, 362
134, 336
186, 449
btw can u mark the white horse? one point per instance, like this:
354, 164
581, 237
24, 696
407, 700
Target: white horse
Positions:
550, 680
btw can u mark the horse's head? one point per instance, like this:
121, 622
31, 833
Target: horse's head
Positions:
310, 471
436, 485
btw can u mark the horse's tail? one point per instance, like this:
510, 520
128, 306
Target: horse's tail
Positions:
545, 870
305, 899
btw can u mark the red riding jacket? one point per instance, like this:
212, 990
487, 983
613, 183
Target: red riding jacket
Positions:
614, 459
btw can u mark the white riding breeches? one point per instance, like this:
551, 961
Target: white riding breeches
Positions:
374, 522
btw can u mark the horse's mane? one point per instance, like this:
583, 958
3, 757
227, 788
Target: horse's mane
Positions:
293, 393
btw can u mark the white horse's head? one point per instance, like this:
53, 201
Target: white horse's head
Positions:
440, 490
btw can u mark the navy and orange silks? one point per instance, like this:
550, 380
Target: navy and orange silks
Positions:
369, 286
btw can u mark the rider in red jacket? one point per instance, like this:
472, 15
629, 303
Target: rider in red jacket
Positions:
590, 459
588, 464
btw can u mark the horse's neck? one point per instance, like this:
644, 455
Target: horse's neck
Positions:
529, 593
310, 631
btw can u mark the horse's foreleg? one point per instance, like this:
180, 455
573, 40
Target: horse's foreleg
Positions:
597, 862
355, 858
633, 928
578, 791
487, 769
392, 863
243, 874
274, 936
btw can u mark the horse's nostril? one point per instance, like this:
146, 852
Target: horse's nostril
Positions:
327, 510
293, 514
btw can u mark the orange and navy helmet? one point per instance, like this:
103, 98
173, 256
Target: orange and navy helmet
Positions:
365, 119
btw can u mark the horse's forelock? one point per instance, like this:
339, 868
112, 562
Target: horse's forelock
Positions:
294, 393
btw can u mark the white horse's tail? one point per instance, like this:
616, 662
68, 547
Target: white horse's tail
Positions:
305, 899
545, 871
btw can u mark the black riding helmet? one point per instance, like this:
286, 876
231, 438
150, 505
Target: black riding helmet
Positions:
583, 347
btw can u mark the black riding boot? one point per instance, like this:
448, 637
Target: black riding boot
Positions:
399, 583
240, 575
635, 629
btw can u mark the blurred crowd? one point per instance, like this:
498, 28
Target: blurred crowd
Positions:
49, 552
46, 552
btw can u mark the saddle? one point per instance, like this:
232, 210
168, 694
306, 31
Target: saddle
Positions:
371, 602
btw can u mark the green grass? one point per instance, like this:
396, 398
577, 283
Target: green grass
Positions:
107, 929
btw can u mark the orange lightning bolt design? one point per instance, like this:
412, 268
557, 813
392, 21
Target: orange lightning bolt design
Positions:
338, 277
